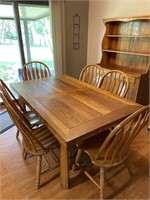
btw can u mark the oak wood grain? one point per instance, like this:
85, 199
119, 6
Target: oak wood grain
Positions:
73, 110
125, 47
18, 176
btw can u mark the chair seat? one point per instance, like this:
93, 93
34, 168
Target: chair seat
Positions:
36, 138
32, 118
111, 148
42, 136
92, 145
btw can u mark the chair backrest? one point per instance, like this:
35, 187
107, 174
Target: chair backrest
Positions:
8, 93
91, 74
116, 82
115, 148
35, 70
30, 141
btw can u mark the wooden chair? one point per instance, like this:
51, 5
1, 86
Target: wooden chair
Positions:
29, 115
116, 82
91, 74
110, 149
37, 141
35, 70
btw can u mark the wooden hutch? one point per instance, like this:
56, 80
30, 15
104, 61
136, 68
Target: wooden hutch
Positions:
126, 47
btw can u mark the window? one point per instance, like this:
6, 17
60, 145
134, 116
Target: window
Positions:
35, 38
9, 49
36, 33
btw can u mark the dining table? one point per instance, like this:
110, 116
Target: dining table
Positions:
73, 111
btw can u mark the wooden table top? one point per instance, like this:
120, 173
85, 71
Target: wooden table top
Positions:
73, 109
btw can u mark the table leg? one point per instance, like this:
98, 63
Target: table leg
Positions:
64, 167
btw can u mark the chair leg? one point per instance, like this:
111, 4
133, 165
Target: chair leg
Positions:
17, 134
24, 154
46, 161
126, 163
101, 183
75, 166
72, 156
38, 171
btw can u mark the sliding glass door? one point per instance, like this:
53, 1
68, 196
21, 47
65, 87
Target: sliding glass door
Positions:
36, 33
10, 60
34, 37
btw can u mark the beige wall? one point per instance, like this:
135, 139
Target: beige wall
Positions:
76, 59
100, 9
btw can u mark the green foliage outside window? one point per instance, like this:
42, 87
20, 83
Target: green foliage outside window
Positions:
39, 38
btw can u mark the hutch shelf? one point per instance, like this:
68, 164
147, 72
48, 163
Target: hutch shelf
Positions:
126, 47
